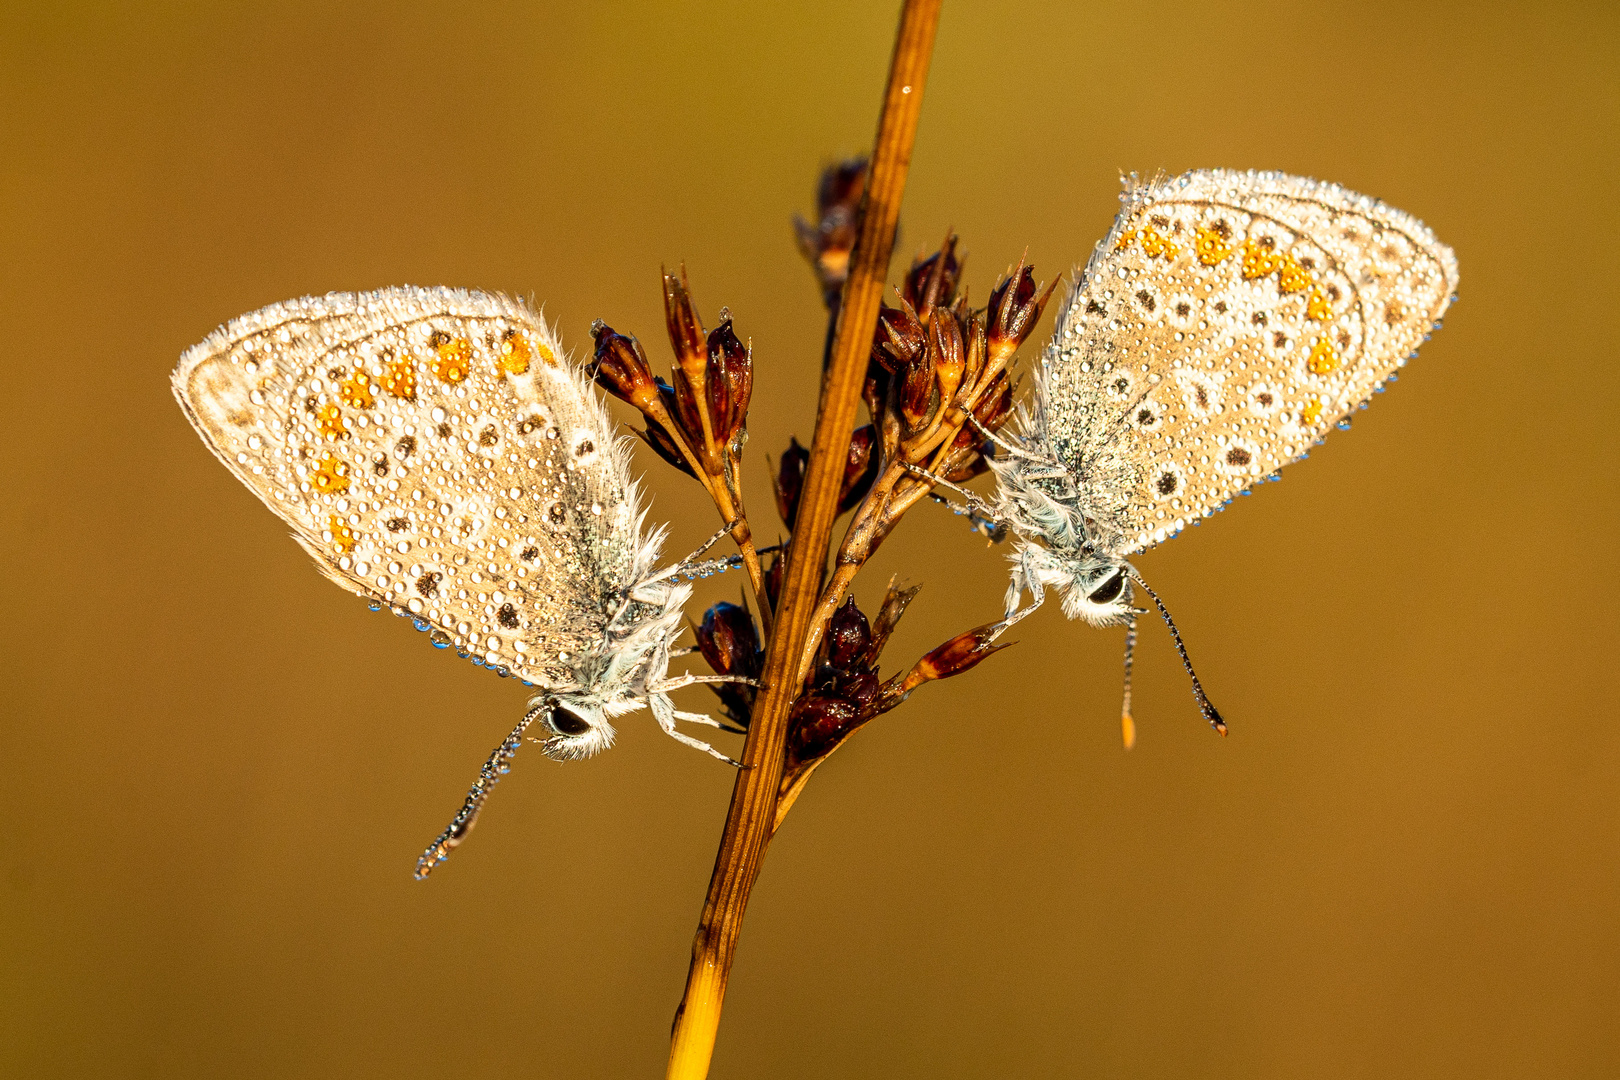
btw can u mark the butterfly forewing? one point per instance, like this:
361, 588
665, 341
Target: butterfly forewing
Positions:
1226, 322
434, 451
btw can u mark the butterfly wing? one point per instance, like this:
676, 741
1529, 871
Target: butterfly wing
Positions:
432, 450
1226, 322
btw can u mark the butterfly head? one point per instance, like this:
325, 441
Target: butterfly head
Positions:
1098, 591
1094, 587
576, 726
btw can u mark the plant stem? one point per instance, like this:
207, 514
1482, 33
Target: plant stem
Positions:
751, 818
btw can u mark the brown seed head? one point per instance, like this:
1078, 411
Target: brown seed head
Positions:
900, 337
773, 577
621, 368
975, 350
940, 365
950, 359
860, 468
849, 637
686, 335
1015, 307
729, 380
828, 243
957, 655
968, 457
729, 642
663, 444
789, 480
895, 602
931, 282
817, 723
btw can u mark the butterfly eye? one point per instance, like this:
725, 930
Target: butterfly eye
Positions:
567, 723
1108, 591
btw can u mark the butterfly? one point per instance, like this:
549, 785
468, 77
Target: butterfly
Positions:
1226, 322
435, 452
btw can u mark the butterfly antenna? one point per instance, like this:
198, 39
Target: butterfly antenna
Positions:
497, 766
1205, 706
1127, 726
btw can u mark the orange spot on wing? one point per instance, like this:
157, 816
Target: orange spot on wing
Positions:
331, 476
329, 422
1323, 360
1291, 276
452, 358
1155, 246
1317, 307
1211, 249
1258, 260
399, 378
343, 538
1311, 413
356, 391
515, 353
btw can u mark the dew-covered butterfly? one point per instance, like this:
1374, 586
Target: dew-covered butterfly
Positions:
436, 453
1223, 325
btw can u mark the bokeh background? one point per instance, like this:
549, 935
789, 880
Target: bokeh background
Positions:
216, 769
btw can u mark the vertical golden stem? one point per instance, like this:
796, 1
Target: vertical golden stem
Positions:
752, 815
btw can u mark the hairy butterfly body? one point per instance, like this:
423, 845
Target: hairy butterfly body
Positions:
1226, 322
435, 452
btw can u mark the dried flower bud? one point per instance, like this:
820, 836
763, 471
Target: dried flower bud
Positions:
991, 411
950, 360
967, 469
920, 395
686, 335
828, 243
773, 577
1013, 312
975, 349
730, 644
687, 338
859, 687
895, 602
876, 389
728, 640
932, 282
621, 368
995, 404
789, 480
848, 636
729, 379
663, 444
962, 652
969, 450
899, 339
860, 468
818, 723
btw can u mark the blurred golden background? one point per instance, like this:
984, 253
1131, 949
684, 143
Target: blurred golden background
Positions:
217, 770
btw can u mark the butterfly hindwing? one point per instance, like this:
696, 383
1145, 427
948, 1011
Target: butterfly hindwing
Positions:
433, 450
1226, 323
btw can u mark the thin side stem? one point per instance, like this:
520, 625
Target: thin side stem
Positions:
752, 816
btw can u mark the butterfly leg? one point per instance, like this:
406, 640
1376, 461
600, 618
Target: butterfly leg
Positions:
679, 681
1002, 627
977, 505
709, 721
994, 531
1026, 577
663, 711
1013, 451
